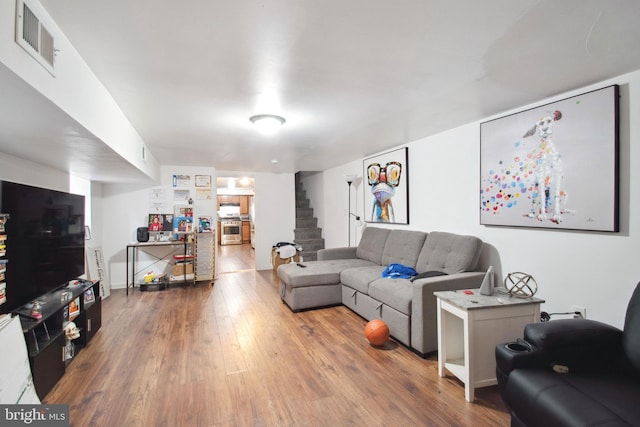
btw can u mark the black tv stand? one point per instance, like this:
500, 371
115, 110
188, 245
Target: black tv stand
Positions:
50, 351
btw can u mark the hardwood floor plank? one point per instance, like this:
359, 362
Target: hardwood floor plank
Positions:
233, 354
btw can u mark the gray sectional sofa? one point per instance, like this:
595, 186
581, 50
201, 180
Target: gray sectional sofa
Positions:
353, 277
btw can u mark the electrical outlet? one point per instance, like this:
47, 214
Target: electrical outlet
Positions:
579, 312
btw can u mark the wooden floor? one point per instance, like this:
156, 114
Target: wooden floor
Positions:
234, 258
232, 354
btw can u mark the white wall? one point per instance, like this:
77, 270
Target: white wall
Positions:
275, 214
124, 208
589, 269
25, 172
335, 205
74, 89
97, 215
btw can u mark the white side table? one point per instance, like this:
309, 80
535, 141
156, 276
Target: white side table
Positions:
470, 326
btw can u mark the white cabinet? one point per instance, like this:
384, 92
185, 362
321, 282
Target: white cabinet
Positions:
470, 326
205, 256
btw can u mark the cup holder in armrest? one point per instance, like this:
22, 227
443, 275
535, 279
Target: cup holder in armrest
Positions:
518, 347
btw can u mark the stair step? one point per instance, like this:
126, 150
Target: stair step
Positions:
303, 204
306, 222
304, 212
308, 233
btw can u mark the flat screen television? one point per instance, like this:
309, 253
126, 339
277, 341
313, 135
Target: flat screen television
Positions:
45, 241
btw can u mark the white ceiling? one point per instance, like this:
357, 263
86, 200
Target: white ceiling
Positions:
351, 77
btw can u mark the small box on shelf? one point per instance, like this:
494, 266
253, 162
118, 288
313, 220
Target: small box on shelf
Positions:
158, 283
179, 269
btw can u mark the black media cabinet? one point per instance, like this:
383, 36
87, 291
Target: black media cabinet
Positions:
50, 350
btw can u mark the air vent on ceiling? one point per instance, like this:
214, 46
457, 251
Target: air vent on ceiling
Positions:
33, 36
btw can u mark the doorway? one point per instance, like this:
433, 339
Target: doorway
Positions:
235, 205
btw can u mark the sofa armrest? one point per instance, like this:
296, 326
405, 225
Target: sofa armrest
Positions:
424, 316
337, 253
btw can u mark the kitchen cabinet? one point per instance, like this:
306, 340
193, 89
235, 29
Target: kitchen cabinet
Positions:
243, 201
246, 231
244, 206
228, 199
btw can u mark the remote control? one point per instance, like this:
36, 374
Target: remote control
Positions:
301, 265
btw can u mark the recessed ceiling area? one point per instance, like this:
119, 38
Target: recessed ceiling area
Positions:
351, 78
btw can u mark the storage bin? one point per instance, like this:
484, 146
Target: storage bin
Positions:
178, 269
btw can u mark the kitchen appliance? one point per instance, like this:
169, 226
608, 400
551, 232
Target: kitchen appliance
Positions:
230, 231
229, 210
230, 223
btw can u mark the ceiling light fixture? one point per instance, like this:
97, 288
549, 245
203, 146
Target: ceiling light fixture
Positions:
267, 123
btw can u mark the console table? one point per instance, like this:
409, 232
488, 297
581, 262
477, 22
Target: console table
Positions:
134, 247
470, 325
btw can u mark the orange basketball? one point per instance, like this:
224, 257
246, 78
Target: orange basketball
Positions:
377, 332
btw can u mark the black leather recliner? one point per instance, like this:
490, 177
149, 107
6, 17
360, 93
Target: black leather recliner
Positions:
573, 372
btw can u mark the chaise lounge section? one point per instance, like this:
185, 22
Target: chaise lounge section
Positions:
353, 277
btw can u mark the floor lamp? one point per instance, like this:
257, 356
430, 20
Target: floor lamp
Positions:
350, 179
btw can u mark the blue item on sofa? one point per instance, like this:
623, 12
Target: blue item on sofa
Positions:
399, 271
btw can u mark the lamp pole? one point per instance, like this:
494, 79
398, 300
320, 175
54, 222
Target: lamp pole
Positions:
349, 212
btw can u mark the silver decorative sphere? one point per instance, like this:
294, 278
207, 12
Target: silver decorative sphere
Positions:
521, 285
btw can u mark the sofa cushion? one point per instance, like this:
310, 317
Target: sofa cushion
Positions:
396, 293
548, 398
316, 272
359, 278
448, 252
372, 244
403, 247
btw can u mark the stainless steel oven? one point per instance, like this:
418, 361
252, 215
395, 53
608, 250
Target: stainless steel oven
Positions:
230, 232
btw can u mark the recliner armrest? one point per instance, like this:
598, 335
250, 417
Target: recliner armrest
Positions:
572, 333
577, 344
571, 345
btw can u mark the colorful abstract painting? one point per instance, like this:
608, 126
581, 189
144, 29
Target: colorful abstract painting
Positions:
386, 187
554, 166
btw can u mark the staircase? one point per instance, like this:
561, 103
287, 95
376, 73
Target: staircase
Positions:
307, 233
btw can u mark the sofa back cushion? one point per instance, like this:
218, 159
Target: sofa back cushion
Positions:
403, 247
449, 253
372, 244
630, 340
